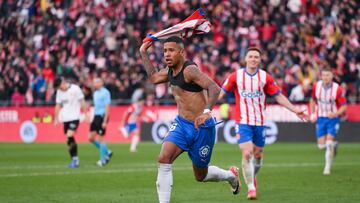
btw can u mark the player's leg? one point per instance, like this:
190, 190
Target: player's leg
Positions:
169, 152
258, 158
72, 145
321, 133
200, 154
245, 141
92, 134
332, 129
92, 139
135, 139
259, 143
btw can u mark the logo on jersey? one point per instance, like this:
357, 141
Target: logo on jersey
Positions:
204, 151
251, 95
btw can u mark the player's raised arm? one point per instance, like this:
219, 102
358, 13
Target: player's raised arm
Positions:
154, 75
193, 74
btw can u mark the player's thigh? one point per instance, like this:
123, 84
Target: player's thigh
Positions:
71, 127
247, 149
321, 129
259, 136
244, 133
169, 152
202, 144
332, 128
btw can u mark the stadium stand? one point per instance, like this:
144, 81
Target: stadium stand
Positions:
78, 39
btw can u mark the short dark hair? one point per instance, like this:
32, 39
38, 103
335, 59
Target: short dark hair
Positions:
253, 49
328, 69
175, 39
57, 82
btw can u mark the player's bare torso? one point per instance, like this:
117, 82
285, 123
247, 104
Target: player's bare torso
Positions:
190, 104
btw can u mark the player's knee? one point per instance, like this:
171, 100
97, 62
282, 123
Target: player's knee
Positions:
91, 139
200, 177
247, 154
258, 155
164, 159
321, 146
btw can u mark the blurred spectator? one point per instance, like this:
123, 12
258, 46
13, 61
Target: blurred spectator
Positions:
47, 118
36, 118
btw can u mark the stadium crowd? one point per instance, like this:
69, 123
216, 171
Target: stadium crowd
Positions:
78, 39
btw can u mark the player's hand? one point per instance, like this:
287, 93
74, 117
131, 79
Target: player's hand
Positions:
56, 122
145, 46
313, 118
332, 115
303, 115
103, 125
201, 119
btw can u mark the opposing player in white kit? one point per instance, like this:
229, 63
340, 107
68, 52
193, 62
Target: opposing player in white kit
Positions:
328, 97
69, 99
251, 85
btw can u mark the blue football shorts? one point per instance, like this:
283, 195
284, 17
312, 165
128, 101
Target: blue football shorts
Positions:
325, 126
253, 133
198, 143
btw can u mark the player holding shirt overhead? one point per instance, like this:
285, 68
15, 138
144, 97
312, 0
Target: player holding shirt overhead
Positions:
251, 85
101, 100
194, 128
328, 97
69, 99
130, 123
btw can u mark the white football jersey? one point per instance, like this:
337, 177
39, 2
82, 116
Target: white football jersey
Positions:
70, 100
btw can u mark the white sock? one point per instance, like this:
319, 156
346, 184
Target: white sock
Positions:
257, 165
329, 153
164, 182
216, 174
134, 142
321, 146
248, 172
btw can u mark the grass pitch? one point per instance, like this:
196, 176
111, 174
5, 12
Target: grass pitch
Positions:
291, 173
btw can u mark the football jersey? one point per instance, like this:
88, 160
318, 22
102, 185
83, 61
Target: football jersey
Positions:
70, 100
134, 113
328, 99
250, 95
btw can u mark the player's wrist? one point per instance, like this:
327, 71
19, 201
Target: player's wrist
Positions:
207, 111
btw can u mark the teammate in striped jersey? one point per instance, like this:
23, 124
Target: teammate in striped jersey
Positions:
130, 123
251, 85
327, 104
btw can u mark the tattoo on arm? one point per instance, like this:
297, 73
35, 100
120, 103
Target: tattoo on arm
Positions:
150, 69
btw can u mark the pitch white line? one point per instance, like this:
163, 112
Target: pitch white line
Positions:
152, 167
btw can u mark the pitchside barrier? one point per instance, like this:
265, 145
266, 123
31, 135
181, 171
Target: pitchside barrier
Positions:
17, 125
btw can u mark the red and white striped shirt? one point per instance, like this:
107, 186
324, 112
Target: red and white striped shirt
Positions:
328, 99
250, 95
133, 113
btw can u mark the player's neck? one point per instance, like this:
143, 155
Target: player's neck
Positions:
251, 71
176, 69
326, 85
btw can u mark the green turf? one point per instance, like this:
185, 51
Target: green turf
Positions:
291, 173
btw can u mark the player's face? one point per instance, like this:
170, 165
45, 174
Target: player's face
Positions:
173, 52
63, 86
252, 59
98, 83
326, 76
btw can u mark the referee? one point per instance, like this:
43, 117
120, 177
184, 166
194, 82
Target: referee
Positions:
101, 99
69, 100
